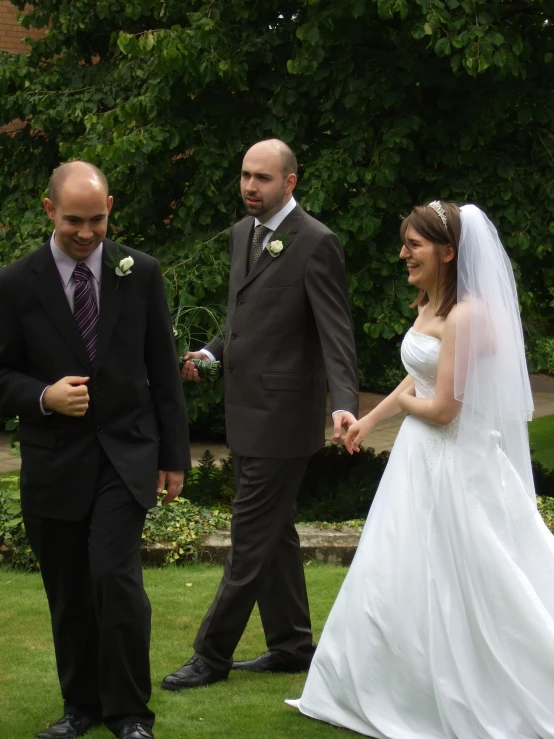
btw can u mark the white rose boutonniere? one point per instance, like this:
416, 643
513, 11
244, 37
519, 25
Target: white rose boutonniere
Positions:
278, 244
120, 264
123, 269
275, 248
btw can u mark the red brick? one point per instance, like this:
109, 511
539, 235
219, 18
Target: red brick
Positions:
11, 32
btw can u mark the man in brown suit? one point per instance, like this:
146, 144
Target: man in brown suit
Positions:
288, 339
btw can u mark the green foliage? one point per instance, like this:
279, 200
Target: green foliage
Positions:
189, 287
541, 358
182, 525
340, 487
194, 321
388, 103
388, 379
546, 509
211, 483
544, 480
14, 545
12, 427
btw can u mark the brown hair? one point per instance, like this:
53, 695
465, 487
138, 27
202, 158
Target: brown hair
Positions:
427, 222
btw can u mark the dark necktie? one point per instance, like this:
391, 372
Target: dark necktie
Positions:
257, 247
86, 310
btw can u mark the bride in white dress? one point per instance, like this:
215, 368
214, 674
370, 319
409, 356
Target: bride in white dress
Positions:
444, 626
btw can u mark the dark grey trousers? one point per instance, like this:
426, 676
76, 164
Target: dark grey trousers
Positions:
264, 565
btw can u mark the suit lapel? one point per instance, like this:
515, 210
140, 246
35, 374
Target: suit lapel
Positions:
112, 293
242, 247
290, 226
242, 236
49, 289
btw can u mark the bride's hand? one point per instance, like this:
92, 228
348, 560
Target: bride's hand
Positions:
357, 433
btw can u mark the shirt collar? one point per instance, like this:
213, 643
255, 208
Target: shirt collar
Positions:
66, 264
275, 221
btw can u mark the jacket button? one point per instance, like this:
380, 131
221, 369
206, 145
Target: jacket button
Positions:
97, 391
234, 336
99, 429
241, 302
230, 369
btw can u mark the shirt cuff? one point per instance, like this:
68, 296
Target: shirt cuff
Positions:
208, 354
42, 409
340, 410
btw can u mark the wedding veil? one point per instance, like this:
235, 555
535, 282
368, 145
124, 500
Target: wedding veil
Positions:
491, 377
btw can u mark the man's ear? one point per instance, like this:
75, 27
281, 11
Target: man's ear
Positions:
290, 183
49, 208
110, 203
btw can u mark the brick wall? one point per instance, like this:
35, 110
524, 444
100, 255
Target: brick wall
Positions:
11, 32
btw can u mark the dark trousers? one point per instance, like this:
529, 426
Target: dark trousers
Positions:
264, 565
100, 613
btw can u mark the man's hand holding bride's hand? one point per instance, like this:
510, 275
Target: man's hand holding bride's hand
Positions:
188, 370
341, 420
357, 433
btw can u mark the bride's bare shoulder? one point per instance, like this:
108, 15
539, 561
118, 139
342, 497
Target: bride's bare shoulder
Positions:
469, 321
467, 311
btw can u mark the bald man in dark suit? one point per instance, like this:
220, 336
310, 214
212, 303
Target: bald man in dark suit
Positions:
88, 363
288, 340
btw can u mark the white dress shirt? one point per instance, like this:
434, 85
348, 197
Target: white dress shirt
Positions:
275, 221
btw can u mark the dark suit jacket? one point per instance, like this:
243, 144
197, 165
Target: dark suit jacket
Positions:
288, 337
137, 410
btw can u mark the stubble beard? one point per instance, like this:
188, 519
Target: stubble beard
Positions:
263, 207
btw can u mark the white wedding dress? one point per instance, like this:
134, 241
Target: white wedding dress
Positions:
444, 626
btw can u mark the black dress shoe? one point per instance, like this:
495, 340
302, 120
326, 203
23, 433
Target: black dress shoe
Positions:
195, 674
67, 727
136, 731
274, 662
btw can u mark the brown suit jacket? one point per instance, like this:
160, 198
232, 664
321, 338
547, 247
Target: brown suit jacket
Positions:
288, 338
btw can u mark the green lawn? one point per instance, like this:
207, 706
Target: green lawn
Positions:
245, 707
541, 437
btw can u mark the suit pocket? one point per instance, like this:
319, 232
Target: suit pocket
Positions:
36, 437
283, 282
292, 383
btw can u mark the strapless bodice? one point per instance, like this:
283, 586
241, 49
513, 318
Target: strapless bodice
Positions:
420, 356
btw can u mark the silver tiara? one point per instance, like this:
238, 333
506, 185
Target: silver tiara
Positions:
439, 210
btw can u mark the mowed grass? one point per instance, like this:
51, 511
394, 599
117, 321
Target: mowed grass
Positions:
541, 438
247, 706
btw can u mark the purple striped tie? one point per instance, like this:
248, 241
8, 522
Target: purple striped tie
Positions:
86, 310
